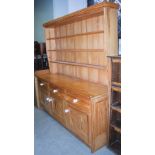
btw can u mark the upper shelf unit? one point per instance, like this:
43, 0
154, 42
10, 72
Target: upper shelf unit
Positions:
78, 44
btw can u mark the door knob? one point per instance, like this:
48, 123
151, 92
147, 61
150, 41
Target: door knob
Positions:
41, 84
75, 100
67, 110
55, 90
50, 99
47, 98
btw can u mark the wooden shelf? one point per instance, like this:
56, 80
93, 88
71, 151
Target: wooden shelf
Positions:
117, 89
79, 64
118, 84
77, 50
116, 108
75, 35
116, 128
116, 147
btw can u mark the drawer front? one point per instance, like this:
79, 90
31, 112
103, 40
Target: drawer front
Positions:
45, 103
56, 92
78, 104
77, 94
43, 85
78, 123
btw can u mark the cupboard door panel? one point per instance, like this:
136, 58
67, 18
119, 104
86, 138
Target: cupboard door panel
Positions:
43, 95
57, 106
78, 123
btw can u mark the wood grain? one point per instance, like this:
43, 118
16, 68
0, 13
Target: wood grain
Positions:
80, 14
86, 118
77, 47
83, 43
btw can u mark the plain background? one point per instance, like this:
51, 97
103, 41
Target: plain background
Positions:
17, 77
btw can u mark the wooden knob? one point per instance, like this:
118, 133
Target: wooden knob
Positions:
47, 98
75, 100
41, 84
67, 110
50, 99
55, 90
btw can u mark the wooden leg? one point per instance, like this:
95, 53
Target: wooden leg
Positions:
36, 91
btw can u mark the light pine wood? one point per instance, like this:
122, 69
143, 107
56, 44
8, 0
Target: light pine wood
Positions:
76, 34
99, 129
36, 91
110, 32
88, 117
90, 11
85, 40
77, 48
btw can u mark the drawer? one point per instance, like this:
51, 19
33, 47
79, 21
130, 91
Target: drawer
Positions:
56, 92
73, 98
43, 85
77, 104
78, 95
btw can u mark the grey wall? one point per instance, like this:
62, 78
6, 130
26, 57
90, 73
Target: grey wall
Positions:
63, 7
43, 11
76, 5
60, 8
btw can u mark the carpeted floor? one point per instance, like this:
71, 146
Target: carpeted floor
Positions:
53, 139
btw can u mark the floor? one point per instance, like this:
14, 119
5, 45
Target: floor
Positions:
53, 139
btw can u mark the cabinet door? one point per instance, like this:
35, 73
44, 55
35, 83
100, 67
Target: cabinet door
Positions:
77, 122
57, 109
44, 96
58, 106
43, 91
44, 101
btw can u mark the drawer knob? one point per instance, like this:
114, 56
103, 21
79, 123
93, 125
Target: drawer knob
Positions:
75, 100
67, 110
41, 84
50, 99
55, 90
47, 98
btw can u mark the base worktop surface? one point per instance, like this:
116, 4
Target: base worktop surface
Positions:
89, 89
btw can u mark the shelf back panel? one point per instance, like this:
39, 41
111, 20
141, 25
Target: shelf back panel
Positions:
79, 47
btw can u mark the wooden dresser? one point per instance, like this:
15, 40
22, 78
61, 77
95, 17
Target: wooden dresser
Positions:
74, 90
